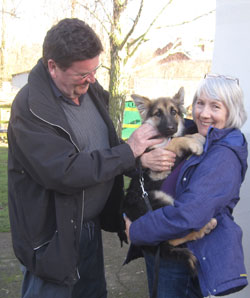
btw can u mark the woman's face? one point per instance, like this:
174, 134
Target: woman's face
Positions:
209, 112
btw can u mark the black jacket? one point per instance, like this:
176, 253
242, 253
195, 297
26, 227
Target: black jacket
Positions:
47, 175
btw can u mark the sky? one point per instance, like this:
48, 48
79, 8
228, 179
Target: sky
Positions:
183, 10
35, 17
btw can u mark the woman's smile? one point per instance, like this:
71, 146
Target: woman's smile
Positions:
209, 112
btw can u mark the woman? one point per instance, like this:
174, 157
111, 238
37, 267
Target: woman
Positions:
207, 186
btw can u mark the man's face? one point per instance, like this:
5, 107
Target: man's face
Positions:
75, 80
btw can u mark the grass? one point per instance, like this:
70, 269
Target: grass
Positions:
4, 215
126, 182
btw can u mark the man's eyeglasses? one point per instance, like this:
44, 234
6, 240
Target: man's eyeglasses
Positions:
85, 75
215, 75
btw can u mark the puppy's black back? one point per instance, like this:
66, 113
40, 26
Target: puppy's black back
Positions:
134, 204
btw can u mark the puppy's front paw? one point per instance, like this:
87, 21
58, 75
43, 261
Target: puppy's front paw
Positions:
196, 148
155, 176
196, 145
200, 138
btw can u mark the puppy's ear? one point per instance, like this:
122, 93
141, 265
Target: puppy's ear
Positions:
179, 96
142, 103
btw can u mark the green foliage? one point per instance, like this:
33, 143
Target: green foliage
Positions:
3, 137
126, 182
4, 214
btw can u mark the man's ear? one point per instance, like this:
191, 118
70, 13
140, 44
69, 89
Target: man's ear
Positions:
52, 68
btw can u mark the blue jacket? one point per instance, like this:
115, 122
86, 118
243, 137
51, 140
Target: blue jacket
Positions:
208, 186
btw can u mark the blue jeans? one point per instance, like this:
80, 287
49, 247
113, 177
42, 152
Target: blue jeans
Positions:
175, 280
35, 287
92, 283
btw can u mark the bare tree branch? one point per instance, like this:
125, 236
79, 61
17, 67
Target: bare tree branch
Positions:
12, 13
106, 12
189, 21
134, 25
120, 5
138, 41
73, 8
125, 4
96, 16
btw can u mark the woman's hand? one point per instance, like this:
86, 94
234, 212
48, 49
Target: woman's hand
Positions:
128, 224
158, 160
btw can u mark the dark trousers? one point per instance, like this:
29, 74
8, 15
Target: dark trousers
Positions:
92, 282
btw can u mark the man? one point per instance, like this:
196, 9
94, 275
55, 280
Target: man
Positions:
65, 168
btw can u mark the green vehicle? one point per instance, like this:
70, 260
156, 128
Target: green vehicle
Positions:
131, 119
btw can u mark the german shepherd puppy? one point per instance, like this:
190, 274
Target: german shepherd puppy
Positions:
166, 114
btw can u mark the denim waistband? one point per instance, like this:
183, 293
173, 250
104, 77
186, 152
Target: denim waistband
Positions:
90, 225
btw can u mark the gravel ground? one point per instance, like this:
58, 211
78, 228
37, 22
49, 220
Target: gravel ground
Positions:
127, 281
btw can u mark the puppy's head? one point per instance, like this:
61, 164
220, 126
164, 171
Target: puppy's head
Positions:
164, 113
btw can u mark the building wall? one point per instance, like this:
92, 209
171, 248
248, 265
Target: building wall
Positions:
167, 78
231, 57
19, 80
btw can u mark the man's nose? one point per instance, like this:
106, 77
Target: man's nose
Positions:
91, 77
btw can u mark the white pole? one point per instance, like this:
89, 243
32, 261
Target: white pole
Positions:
232, 57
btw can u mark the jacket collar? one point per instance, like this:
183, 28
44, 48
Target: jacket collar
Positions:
229, 137
45, 105
42, 100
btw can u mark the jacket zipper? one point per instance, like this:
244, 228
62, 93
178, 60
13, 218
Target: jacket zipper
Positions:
58, 127
36, 248
52, 124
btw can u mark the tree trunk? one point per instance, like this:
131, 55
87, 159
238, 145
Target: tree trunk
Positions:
73, 8
2, 48
117, 83
117, 87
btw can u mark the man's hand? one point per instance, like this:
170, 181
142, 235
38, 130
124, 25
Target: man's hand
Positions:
128, 224
158, 160
142, 138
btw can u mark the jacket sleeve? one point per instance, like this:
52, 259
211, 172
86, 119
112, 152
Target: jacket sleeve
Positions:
47, 154
212, 189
